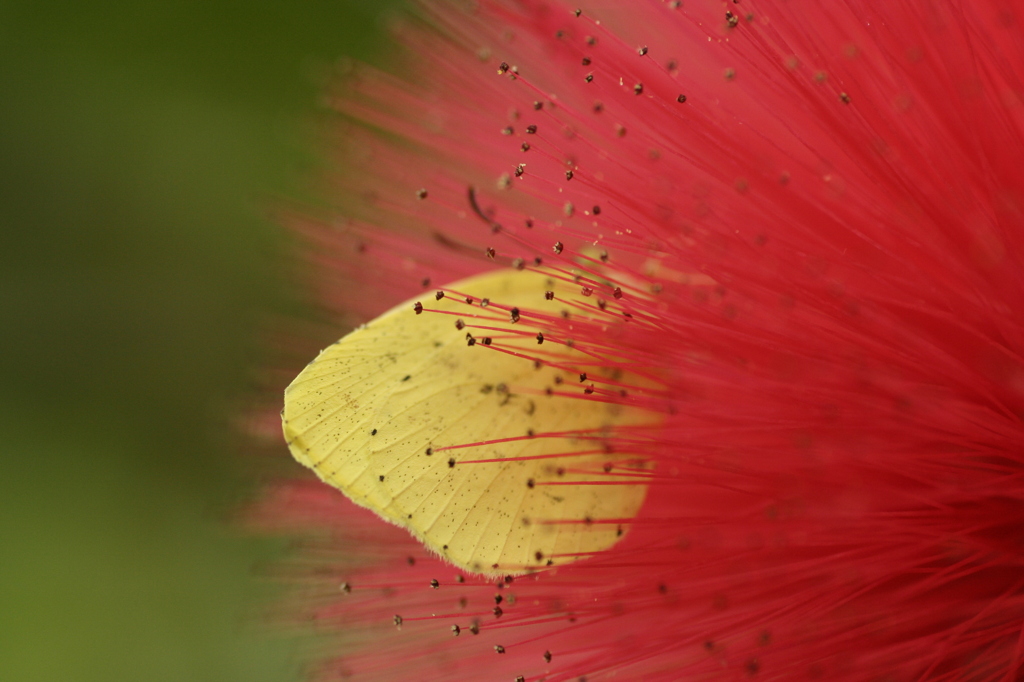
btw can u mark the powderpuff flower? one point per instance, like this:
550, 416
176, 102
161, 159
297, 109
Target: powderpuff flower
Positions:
791, 234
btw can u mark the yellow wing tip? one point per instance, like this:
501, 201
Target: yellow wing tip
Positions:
295, 442
304, 434
295, 445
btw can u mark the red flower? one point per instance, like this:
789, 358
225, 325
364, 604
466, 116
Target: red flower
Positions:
803, 224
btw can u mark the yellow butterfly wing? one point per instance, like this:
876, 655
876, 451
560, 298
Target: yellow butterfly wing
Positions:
380, 413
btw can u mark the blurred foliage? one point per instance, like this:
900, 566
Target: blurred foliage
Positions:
141, 148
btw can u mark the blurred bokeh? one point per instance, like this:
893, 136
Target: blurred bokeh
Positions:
143, 146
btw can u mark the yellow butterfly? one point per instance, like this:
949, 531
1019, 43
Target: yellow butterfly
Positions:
458, 420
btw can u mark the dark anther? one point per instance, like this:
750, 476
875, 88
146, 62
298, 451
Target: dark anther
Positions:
425, 282
568, 175
381, 478
484, 302
520, 169
499, 649
549, 295
519, 264
530, 483
617, 292
588, 390
498, 598
531, 130
475, 628
460, 325
731, 19
844, 98
586, 61
421, 194
497, 611
537, 260
583, 377
598, 107
346, 588
642, 51
525, 147
540, 337
529, 223
507, 130
514, 315
681, 99
490, 252
577, 12
471, 341
430, 451
434, 583
538, 105
487, 340
557, 248
638, 89
374, 432
398, 620
456, 630
503, 68
604, 256
596, 210
417, 307
439, 295
451, 462
589, 78
586, 291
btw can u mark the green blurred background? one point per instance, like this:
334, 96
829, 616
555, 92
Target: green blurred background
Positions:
142, 145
